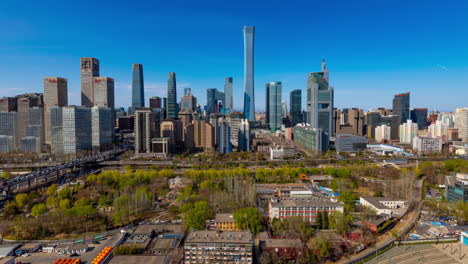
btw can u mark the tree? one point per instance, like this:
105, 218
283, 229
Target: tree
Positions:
196, 214
38, 210
64, 204
322, 247
22, 199
340, 222
52, 190
5, 175
248, 218
51, 202
347, 198
65, 193
318, 220
325, 220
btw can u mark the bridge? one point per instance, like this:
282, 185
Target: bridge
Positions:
53, 173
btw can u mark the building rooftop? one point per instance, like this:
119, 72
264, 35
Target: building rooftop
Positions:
278, 242
165, 243
225, 218
204, 236
377, 201
138, 259
5, 250
313, 201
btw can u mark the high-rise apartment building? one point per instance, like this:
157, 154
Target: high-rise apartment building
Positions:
76, 127
295, 106
155, 102
172, 106
320, 101
408, 131
419, 116
138, 86
145, 129
89, 69
234, 120
274, 109
103, 88
249, 91
401, 104
228, 99
461, 122
223, 137
438, 130
55, 95
204, 135
102, 126
244, 137
382, 133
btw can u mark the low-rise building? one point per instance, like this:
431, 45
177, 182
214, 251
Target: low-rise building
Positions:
226, 222
456, 187
218, 247
305, 208
382, 205
427, 145
28, 248
284, 248
350, 143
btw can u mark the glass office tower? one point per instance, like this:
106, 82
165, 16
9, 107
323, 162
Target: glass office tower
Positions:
138, 88
249, 97
295, 102
273, 101
401, 104
228, 101
172, 106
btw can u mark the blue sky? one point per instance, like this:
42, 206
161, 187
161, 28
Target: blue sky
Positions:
374, 48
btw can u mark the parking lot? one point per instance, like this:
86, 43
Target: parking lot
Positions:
48, 258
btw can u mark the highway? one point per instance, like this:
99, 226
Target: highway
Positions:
14, 182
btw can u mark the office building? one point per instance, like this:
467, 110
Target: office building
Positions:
102, 128
382, 133
244, 137
55, 95
172, 129
223, 137
284, 110
155, 102
461, 122
172, 106
126, 123
234, 120
145, 129
295, 106
56, 130
9, 129
306, 209
311, 139
138, 86
408, 131
350, 143
214, 101
320, 101
419, 116
456, 187
204, 135
348, 121
103, 88
25, 102
76, 128
204, 246
188, 101
7, 144
401, 104
8, 104
427, 145
249, 91
228, 99
30, 144
89, 69
160, 147
273, 105
35, 126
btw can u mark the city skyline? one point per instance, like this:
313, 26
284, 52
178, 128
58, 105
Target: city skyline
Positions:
421, 62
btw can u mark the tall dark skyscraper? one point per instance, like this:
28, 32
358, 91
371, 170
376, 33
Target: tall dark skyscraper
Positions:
172, 106
228, 100
267, 104
401, 104
213, 96
155, 102
295, 102
320, 101
249, 95
273, 108
138, 86
89, 69
419, 116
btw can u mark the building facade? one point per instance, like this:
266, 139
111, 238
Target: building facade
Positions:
76, 122
419, 116
461, 122
456, 187
102, 127
312, 139
408, 131
223, 137
103, 92
295, 106
155, 102
55, 95
89, 69
56, 130
427, 145
228, 99
304, 208
249, 91
274, 110
382, 133
350, 143
144, 129
401, 104
172, 105
138, 86
244, 137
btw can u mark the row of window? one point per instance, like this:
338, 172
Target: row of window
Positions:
326, 208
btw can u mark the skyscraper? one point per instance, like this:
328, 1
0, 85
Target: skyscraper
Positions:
408, 131
401, 104
223, 136
249, 96
55, 95
76, 127
102, 127
138, 88
295, 105
172, 106
188, 101
89, 69
145, 129
155, 102
274, 109
228, 100
56, 130
419, 116
213, 96
320, 101
103, 92
461, 122
244, 135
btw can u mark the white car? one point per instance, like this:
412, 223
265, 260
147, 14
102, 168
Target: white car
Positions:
26, 255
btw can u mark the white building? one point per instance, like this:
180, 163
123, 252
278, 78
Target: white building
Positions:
305, 208
382, 205
408, 131
438, 130
461, 122
382, 132
279, 152
427, 145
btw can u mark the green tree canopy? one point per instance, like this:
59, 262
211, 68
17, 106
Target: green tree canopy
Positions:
22, 199
248, 218
38, 210
52, 190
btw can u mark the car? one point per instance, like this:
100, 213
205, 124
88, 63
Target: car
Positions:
26, 255
74, 254
95, 242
